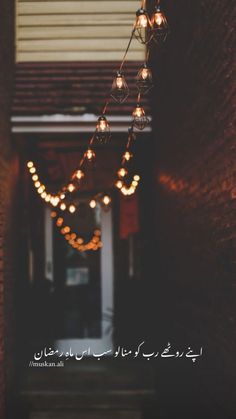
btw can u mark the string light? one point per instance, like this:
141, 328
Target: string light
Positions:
90, 154
160, 27
76, 241
79, 174
63, 206
144, 30
119, 90
144, 79
119, 184
122, 172
127, 156
142, 27
71, 187
72, 208
106, 200
103, 130
93, 203
140, 120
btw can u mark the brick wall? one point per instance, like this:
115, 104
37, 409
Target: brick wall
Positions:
8, 176
195, 187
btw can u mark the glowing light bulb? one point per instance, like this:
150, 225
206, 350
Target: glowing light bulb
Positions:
72, 208
140, 120
60, 221
54, 201
53, 214
119, 184
144, 79
37, 184
63, 206
35, 178
90, 155
137, 178
119, 90
159, 24
127, 156
32, 170
144, 73
142, 28
47, 198
122, 172
92, 203
62, 196
40, 189
97, 232
142, 21
103, 129
43, 195
106, 200
119, 81
71, 187
30, 164
138, 112
79, 174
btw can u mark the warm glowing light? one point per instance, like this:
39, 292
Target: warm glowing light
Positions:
47, 198
90, 154
54, 200
119, 90
79, 174
102, 124
43, 195
63, 206
30, 164
119, 184
62, 196
159, 18
159, 24
41, 189
138, 112
144, 73
32, 170
73, 236
127, 156
71, 187
103, 129
35, 178
119, 81
37, 184
106, 200
137, 178
144, 79
97, 232
122, 172
142, 20
67, 229
72, 208
92, 203
60, 221
140, 120
53, 214
142, 29
80, 240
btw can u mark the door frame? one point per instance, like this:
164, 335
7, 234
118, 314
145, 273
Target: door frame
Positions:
105, 343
